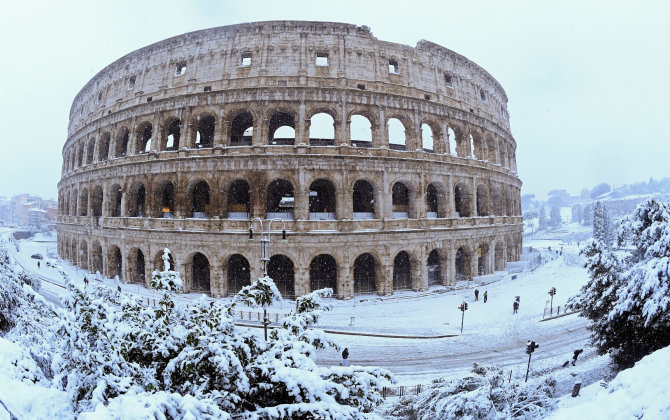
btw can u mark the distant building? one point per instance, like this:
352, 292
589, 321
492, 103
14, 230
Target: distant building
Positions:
29, 211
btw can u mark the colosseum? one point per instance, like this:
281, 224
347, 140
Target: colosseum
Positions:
388, 166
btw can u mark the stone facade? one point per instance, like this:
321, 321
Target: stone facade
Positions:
178, 145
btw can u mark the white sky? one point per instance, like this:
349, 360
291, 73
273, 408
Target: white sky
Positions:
587, 81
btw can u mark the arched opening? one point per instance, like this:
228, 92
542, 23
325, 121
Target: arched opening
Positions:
96, 258
396, 133
431, 202
136, 260
80, 156
400, 201
242, 129
160, 265
96, 201
280, 269
282, 129
323, 273
322, 130
402, 271
238, 200
90, 152
204, 135
280, 200
434, 271
122, 142
239, 274
363, 200
427, 138
137, 200
103, 147
200, 271
115, 262
144, 134
322, 200
115, 195
497, 202
462, 200
166, 199
360, 131
83, 202
200, 200
172, 135
482, 201
365, 274
462, 264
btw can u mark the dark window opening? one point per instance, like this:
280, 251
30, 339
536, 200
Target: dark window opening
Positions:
238, 200
138, 196
149, 99
282, 129
400, 200
365, 274
322, 201
462, 265
363, 200
431, 201
116, 201
245, 59
482, 94
448, 80
462, 200
207, 89
242, 129
280, 199
323, 273
239, 274
426, 97
394, 68
131, 82
180, 68
122, 143
96, 202
322, 59
200, 281
173, 135
204, 136
434, 271
146, 132
402, 272
280, 269
200, 200
103, 148
138, 275
360, 86
167, 200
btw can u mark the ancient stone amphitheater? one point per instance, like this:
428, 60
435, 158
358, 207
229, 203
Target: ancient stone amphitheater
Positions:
389, 167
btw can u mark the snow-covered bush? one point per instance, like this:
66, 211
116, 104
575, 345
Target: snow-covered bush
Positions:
484, 395
628, 296
116, 352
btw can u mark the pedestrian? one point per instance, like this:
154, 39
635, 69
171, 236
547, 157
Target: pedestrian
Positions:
515, 305
345, 357
476, 294
118, 287
485, 296
575, 355
85, 281
38, 264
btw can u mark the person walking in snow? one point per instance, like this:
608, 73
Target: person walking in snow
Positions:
515, 305
476, 294
345, 357
85, 281
38, 264
485, 296
575, 355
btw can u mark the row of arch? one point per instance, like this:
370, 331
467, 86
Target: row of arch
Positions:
366, 274
325, 199
283, 127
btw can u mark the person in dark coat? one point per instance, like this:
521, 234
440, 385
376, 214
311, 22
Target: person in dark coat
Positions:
85, 281
345, 357
576, 355
476, 294
515, 305
485, 296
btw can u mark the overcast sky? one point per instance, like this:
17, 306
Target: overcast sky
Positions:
587, 81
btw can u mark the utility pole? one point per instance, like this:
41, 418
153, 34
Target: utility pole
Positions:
265, 255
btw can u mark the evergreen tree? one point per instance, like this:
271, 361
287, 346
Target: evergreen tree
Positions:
576, 214
628, 296
555, 218
598, 222
544, 222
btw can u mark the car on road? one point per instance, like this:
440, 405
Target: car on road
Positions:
37, 256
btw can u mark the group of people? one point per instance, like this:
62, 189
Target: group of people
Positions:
485, 295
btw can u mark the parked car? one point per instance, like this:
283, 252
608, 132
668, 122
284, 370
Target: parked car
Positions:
37, 256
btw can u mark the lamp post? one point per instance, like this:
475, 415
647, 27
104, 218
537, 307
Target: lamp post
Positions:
265, 254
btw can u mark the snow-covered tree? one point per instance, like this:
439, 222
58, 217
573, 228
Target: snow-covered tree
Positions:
603, 230
628, 296
115, 350
555, 220
543, 222
587, 213
576, 214
486, 394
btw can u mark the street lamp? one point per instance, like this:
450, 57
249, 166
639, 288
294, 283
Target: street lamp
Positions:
265, 254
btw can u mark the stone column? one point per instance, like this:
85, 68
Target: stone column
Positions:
187, 129
419, 199
301, 277
451, 205
217, 286
444, 255
474, 261
420, 272
222, 133
301, 203
380, 135
473, 199
260, 127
